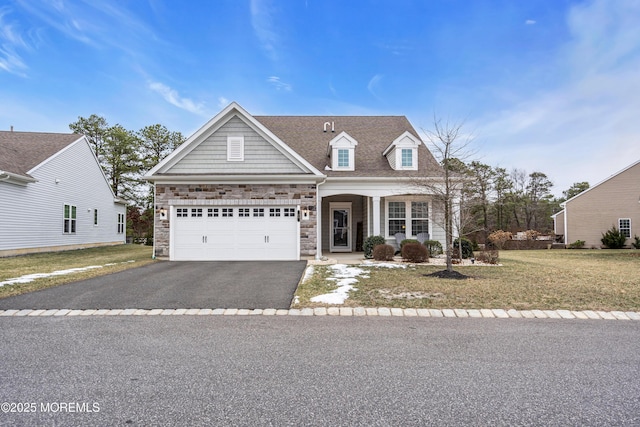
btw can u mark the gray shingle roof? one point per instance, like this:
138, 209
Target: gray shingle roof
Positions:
305, 135
22, 151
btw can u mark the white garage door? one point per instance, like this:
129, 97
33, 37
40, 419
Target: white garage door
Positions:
201, 233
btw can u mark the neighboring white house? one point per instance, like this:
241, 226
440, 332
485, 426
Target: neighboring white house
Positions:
249, 187
54, 195
614, 202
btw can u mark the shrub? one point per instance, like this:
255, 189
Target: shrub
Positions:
383, 252
371, 242
415, 252
407, 241
499, 238
488, 256
433, 246
467, 247
613, 238
578, 244
636, 244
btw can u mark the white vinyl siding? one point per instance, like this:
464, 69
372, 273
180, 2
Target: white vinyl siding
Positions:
259, 156
32, 216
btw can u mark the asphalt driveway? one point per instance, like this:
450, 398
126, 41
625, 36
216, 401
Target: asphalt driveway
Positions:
175, 284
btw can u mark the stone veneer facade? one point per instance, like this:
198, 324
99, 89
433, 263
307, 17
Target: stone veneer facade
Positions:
303, 195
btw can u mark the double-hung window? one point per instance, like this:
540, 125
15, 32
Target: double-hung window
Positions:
397, 217
343, 158
409, 217
121, 222
419, 218
407, 157
69, 223
624, 225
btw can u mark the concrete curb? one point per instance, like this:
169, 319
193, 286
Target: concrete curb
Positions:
338, 311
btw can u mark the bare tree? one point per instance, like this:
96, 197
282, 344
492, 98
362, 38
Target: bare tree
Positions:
450, 146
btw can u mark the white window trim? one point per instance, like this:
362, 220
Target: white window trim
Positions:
343, 141
235, 148
620, 228
394, 151
121, 223
73, 222
414, 155
407, 215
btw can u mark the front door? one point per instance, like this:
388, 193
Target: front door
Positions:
340, 227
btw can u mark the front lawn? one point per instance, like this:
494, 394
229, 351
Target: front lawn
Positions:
103, 260
542, 279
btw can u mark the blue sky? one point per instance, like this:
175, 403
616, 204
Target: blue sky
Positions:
542, 85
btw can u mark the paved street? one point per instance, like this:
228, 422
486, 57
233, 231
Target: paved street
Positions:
292, 370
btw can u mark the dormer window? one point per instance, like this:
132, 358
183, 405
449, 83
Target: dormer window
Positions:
402, 154
342, 150
235, 148
343, 158
406, 155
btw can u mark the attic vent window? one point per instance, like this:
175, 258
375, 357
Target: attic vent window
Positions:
235, 148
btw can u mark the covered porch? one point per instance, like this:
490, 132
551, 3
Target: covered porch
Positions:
346, 219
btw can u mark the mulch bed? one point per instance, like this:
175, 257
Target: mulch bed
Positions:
446, 274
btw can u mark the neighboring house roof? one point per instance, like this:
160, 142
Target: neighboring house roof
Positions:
307, 136
564, 204
20, 152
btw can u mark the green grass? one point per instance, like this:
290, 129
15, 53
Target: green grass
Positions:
543, 279
119, 255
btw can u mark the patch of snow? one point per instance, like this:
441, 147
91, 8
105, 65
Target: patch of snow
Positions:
383, 264
27, 278
308, 273
346, 277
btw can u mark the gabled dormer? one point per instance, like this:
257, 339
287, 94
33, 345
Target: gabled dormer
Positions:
402, 154
342, 150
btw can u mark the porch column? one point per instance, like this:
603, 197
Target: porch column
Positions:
376, 215
318, 226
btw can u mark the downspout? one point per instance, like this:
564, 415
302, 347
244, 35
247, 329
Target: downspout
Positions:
566, 228
153, 254
319, 221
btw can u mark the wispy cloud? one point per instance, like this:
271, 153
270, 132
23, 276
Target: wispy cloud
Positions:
262, 21
96, 24
397, 49
173, 97
373, 84
595, 112
530, 22
279, 84
10, 42
223, 102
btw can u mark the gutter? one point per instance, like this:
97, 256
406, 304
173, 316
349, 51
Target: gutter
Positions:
18, 179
